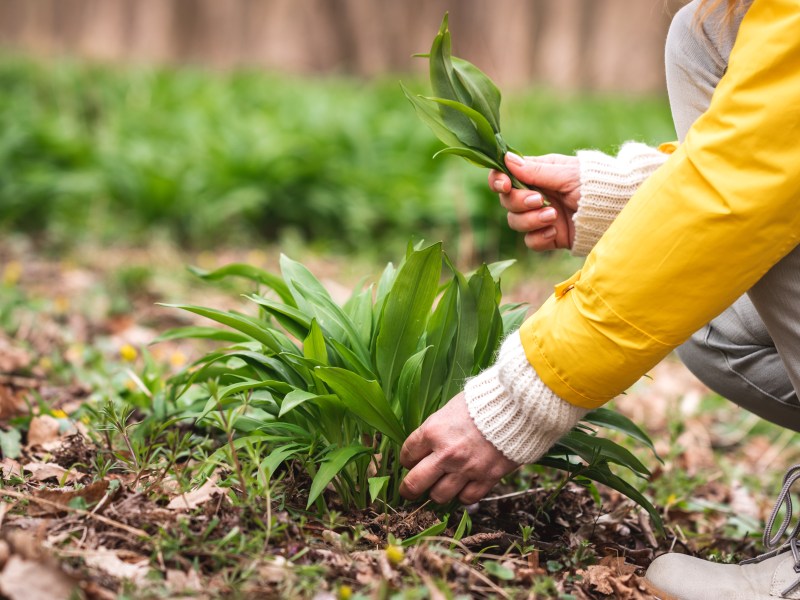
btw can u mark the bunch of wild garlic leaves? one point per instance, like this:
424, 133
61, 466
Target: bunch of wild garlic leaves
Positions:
464, 112
339, 388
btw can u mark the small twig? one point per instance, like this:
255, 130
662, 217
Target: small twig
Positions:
80, 511
417, 510
511, 495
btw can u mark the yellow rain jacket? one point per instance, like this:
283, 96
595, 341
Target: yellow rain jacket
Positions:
699, 233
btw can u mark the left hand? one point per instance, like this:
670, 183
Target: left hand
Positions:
449, 455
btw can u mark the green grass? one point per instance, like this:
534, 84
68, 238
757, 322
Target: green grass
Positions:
129, 154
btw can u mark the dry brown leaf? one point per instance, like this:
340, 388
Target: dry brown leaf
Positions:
44, 471
43, 430
111, 564
198, 496
91, 493
11, 402
614, 577
10, 468
12, 358
33, 580
179, 582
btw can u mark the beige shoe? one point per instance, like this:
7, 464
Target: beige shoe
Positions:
775, 574
681, 577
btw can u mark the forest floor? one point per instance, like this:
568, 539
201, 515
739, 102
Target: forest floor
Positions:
84, 510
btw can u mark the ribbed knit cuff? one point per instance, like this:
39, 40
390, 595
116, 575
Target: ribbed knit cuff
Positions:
514, 409
607, 183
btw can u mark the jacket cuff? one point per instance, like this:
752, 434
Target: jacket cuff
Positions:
515, 410
607, 183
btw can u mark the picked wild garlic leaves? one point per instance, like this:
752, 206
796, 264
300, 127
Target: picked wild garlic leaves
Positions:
464, 111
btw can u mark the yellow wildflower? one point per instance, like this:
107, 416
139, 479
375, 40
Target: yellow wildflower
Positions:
12, 273
394, 554
345, 592
128, 353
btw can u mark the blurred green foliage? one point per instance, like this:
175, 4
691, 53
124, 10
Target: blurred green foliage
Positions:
125, 154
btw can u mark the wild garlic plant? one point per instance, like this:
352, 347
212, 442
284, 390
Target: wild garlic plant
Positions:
464, 112
337, 389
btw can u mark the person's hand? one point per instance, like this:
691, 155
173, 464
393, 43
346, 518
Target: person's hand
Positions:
449, 456
558, 176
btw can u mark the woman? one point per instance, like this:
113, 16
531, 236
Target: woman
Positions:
716, 220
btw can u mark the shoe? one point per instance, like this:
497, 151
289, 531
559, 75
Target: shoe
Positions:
773, 575
681, 577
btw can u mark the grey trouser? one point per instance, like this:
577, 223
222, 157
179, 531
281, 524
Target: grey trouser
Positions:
750, 353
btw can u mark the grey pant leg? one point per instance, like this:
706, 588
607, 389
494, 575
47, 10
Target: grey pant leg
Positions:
736, 357
751, 352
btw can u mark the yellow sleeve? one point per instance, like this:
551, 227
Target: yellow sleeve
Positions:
700, 232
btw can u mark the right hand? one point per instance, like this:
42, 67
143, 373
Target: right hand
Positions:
559, 177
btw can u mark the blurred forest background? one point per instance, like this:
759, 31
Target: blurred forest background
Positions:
209, 121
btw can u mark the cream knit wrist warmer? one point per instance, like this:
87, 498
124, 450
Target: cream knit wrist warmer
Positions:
515, 410
607, 183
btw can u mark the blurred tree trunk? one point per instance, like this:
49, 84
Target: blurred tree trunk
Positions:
566, 44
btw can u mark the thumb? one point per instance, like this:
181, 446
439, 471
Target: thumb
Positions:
535, 172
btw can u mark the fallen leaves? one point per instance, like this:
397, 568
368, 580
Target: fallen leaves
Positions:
197, 497
44, 471
616, 578
27, 579
58, 501
135, 569
43, 430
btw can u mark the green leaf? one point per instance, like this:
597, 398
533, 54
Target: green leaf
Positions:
484, 290
314, 345
352, 362
204, 333
408, 397
376, 486
359, 309
484, 94
464, 527
385, 284
248, 272
513, 316
619, 422
487, 141
364, 399
591, 449
293, 320
498, 570
474, 156
433, 530
294, 399
10, 443
430, 113
333, 463
240, 323
464, 341
441, 329
313, 299
224, 397
498, 268
406, 312
275, 458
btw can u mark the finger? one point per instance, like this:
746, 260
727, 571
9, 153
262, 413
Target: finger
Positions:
519, 201
533, 220
416, 447
447, 488
421, 477
499, 182
537, 172
543, 239
474, 491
